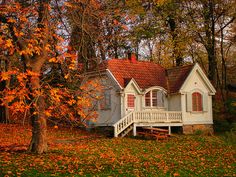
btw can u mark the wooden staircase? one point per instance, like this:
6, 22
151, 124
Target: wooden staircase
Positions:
126, 131
124, 125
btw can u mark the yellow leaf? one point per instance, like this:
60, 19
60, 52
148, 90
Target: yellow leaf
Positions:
47, 113
5, 76
11, 20
47, 48
71, 102
68, 4
66, 76
9, 43
53, 60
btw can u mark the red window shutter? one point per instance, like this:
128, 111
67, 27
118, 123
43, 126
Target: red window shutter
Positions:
197, 101
130, 101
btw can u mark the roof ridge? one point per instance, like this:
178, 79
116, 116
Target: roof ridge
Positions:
140, 61
183, 66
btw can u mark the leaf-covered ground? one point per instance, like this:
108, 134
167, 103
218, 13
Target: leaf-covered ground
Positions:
77, 153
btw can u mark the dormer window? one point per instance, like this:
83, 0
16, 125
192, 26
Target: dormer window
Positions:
154, 98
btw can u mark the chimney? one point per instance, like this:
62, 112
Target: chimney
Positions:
132, 57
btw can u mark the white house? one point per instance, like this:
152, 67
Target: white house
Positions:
141, 93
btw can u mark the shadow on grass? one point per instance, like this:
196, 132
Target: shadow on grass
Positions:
14, 148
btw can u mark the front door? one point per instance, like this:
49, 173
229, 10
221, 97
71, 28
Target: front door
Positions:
130, 103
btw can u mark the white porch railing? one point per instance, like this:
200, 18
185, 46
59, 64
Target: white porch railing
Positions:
123, 123
157, 116
146, 117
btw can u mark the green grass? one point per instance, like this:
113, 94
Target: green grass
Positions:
75, 153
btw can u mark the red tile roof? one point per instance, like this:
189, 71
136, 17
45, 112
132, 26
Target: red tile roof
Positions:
147, 74
176, 77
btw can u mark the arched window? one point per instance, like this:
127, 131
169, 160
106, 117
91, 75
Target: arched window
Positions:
197, 101
154, 98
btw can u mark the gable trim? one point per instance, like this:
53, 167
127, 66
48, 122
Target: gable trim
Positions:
109, 73
155, 87
198, 69
135, 84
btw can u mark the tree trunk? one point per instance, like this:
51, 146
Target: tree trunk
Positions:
2, 108
176, 51
3, 116
209, 24
38, 142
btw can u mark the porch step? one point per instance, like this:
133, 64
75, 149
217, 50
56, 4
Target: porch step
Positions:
126, 131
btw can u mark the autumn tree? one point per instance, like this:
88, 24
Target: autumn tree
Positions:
96, 30
31, 43
205, 21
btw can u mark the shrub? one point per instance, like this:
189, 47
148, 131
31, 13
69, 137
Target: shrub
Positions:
230, 136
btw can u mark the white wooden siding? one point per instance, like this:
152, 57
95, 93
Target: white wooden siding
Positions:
107, 117
196, 83
174, 102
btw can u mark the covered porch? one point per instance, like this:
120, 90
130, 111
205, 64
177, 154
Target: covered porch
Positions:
146, 119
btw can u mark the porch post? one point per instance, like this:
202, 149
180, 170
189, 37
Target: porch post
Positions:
134, 130
122, 104
169, 130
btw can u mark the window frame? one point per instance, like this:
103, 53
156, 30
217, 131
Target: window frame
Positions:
105, 102
205, 102
154, 99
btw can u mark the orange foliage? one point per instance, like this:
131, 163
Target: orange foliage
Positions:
24, 42
74, 152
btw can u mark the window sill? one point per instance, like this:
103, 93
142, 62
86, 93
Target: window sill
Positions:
146, 107
198, 112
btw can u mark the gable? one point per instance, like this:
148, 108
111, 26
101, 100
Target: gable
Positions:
105, 79
197, 80
132, 86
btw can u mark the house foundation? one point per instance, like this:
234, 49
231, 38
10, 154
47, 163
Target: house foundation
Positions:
206, 129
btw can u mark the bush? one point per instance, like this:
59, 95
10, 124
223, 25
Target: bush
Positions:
221, 125
198, 132
230, 136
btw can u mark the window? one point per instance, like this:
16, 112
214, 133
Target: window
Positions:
197, 101
147, 99
130, 101
154, 98
105, 102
